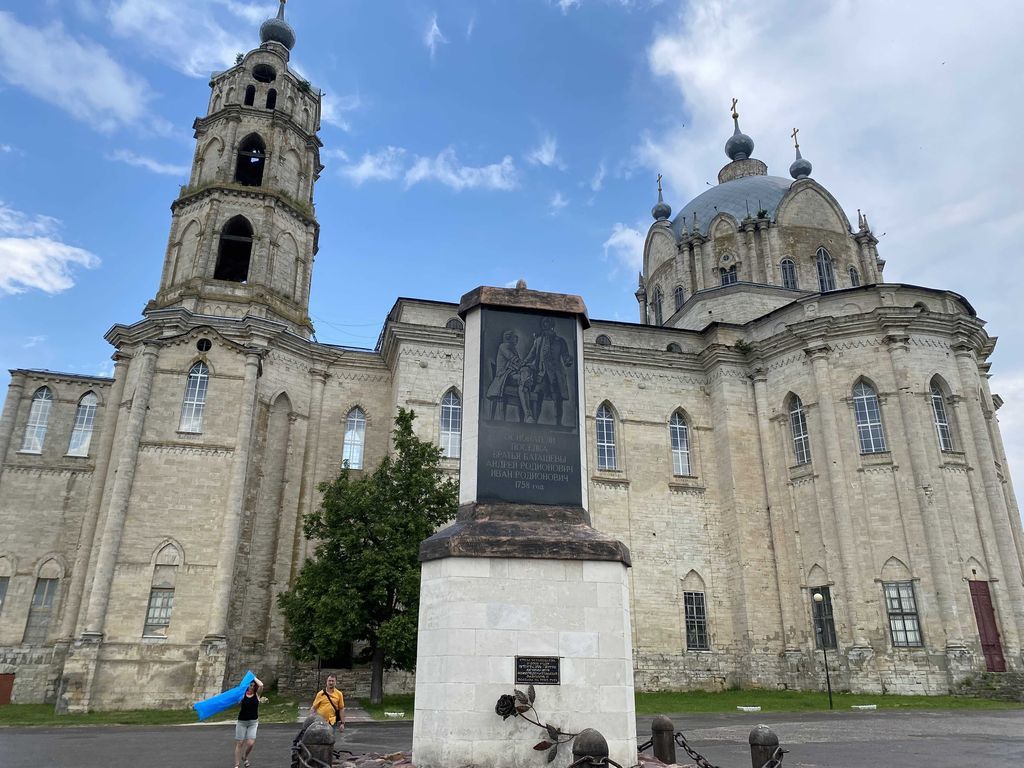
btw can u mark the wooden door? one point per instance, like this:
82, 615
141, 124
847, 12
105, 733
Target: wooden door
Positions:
986, 617
6, 687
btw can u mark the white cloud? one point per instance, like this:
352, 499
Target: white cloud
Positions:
334, 154
32, 255
558, 202
33, 341
385, 165
433, 36
6, 148
625, 245
448, 170
597, 182
78, 76
546, 153
470, 27
154, 166
333, 109
567, 5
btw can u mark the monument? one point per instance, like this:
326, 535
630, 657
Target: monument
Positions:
524, 627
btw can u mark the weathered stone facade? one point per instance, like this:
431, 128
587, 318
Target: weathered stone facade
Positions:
210, 507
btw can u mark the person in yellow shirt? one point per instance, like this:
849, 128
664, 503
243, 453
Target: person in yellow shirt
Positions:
329, 703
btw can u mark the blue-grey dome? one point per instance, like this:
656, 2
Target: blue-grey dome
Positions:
661, 210
800, 169
278, 30
739, 146
741, 197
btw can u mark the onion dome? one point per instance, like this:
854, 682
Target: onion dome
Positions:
278, 30
801, 168
661, 209
739, 146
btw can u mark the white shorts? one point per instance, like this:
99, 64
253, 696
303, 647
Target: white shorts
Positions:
246, 729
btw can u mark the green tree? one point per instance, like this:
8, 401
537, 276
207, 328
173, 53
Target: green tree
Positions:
363, 582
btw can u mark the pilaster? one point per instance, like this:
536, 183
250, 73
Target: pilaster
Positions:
15, 391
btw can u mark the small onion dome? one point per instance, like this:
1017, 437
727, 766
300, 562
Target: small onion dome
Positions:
800, 169
739, 146
661, 209
278, 30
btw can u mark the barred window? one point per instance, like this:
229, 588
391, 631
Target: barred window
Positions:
788, 274
454, 324
826, 272
85, 418
38, 418
679, 435
680, 297
798, 427
605, 427
656, 305
824, 625
195, 399
355, 433
942, 429
451, 425
696, 621
869, 419
729, 275
902, 609
854, 277
40, 611
158, 613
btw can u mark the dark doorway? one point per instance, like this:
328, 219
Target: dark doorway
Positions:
252, 156
234, 251
987, 629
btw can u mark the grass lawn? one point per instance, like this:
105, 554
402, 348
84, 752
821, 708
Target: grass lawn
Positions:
391, 704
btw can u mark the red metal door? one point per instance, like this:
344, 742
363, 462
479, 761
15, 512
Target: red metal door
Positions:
986, 617
6, 687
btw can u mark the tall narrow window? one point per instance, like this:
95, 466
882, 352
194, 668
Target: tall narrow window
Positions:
355, 433
252, 156
41, 610
38, 418
195, 399
271, 98
85, 418
451, 425
942, 429
901, 606
680, 297
234, 251
679, 435
4, 581
161, 592
696, 616
869, 419
788, 274
729, 275
826, 272
854, 277
605, 430
250, 95
656, 305
824, 624
798, 427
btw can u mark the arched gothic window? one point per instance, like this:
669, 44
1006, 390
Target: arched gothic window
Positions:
869, 419
942, 430
656, 303
798, 428
826, 272
195, 399
355, 434
729, 275
854, 277
604, 424
788, 274
271, 98
38, 418
680, 297
679, 436
250, 95
252, 157
161, 592
451, 425
44, 603
234, 251
85, 418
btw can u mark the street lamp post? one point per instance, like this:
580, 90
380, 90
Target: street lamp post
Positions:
819, 621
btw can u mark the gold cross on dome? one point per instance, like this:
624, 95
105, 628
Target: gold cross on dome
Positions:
795, 132
735, 114
659, 182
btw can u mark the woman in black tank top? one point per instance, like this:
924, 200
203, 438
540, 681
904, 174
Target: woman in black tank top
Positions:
248, 720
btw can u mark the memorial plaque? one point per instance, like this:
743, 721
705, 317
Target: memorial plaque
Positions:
529, 439
537, 670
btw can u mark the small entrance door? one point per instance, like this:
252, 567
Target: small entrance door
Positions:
6, 687
986, 617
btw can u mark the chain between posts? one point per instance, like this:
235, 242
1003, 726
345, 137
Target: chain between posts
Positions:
774, 762
303, 758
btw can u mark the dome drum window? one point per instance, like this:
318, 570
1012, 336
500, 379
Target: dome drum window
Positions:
826, 272
788, 269
264, 73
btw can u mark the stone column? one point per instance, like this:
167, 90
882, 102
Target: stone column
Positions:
232, 521
120, 494
833, 460
307, 486
103, 449
10, 414
766, 253
698, 261
750, 254
915, 431
970, 384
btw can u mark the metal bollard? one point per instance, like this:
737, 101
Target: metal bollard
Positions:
763, 743
662, 740
590, 743
319, 740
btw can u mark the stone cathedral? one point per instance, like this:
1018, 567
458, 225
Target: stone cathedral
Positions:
799, 454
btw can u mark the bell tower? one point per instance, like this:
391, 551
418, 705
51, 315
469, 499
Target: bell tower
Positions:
244, 231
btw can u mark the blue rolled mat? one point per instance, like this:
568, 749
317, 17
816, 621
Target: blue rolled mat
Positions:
222, 701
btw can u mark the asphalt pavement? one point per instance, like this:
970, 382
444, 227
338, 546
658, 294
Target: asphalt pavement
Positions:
878, 739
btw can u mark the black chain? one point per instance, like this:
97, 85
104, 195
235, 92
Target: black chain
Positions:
775, 761
302, 758
696, 756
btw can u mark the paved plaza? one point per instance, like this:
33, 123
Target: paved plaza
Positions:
837, 740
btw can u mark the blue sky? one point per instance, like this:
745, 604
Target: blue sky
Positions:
479, 143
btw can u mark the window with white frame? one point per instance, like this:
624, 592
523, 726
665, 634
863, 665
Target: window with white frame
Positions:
604, 425
869, 419
85, 418
824, 624
195, 399
942, 429
38, 418
41, 610
451, 425
904, 627
679, 436
355, 434
656, 305
826, 272
788, 274
854, 277
680, 297
798, 428
696, 617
